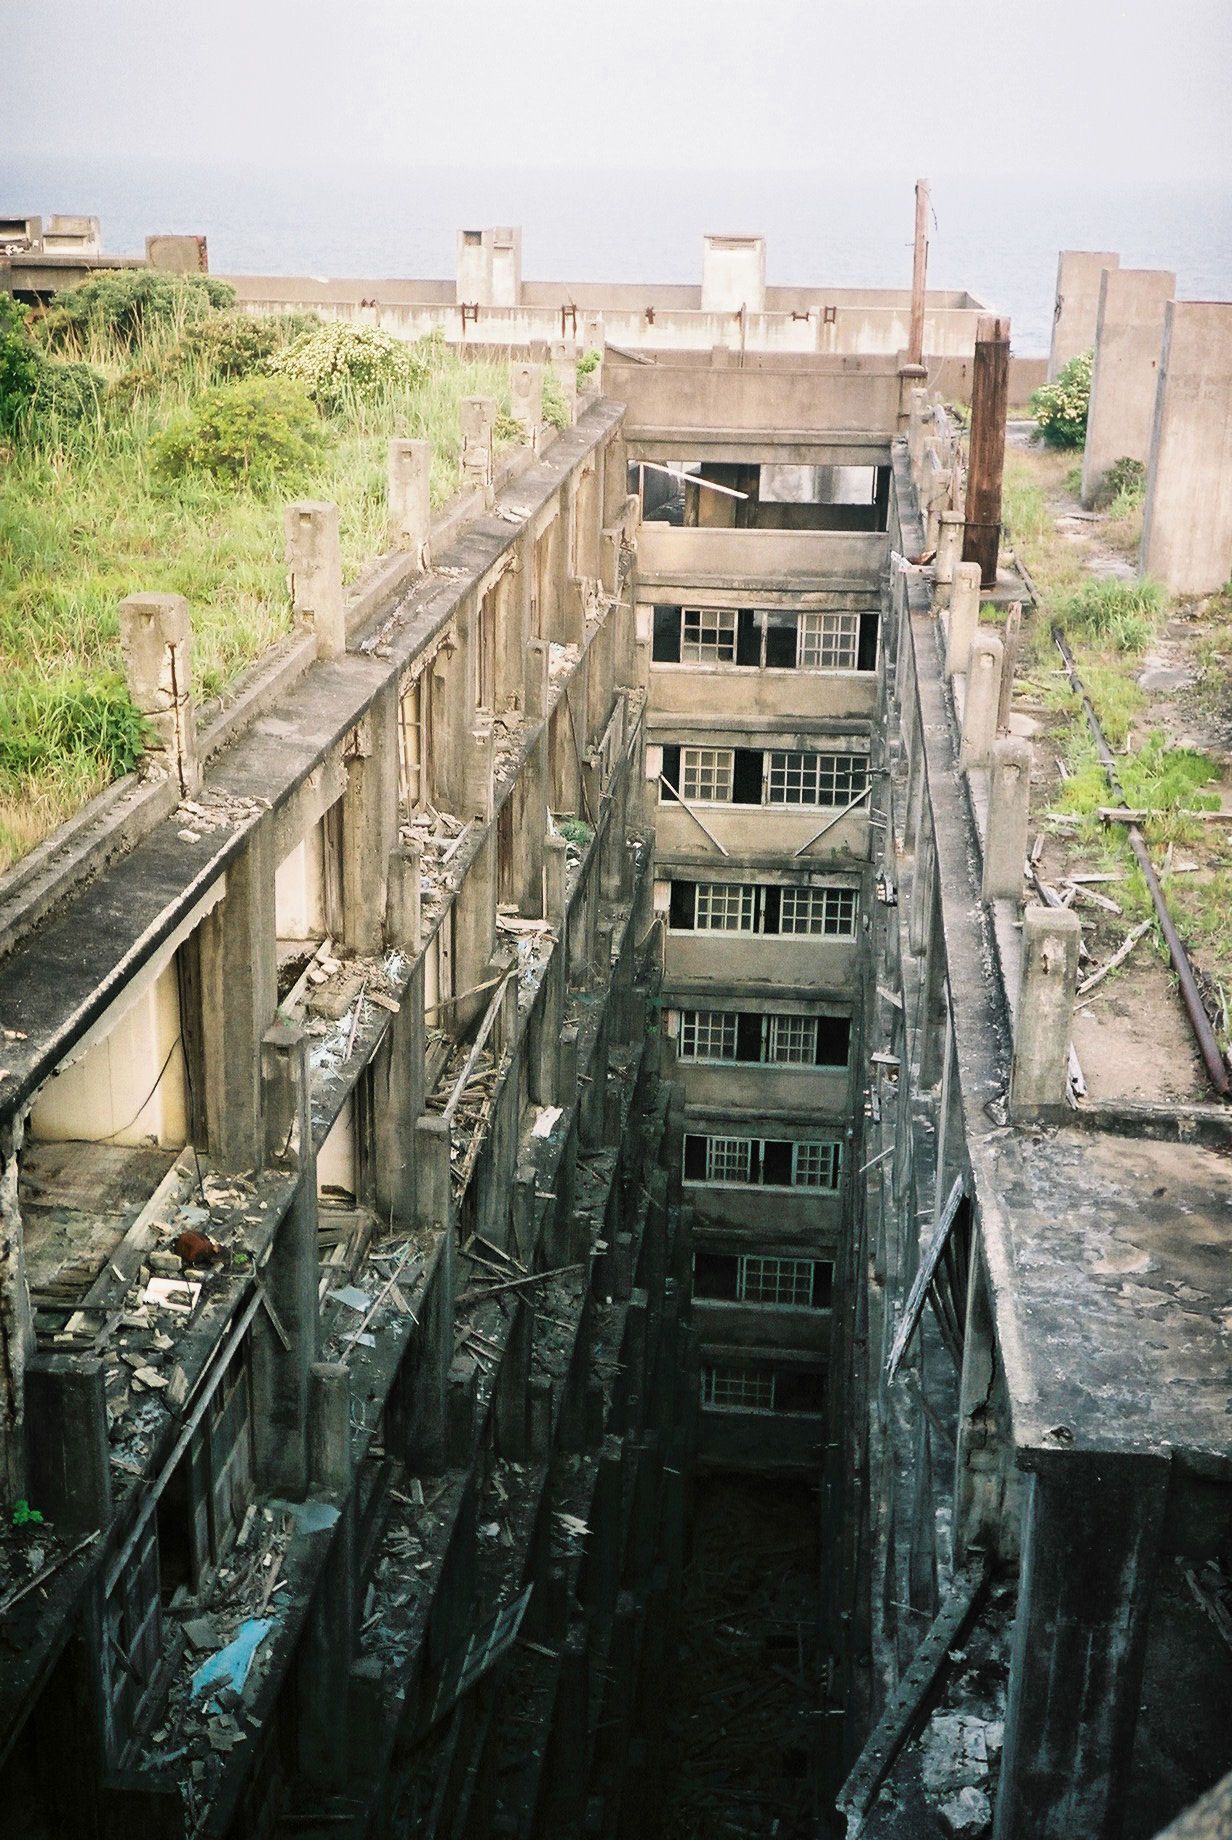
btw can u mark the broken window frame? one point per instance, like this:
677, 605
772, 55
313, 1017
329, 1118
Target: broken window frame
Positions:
819, 779
844, 641
833, 909
766, 1026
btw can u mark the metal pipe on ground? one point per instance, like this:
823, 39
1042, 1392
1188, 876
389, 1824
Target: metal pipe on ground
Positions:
1204, 1034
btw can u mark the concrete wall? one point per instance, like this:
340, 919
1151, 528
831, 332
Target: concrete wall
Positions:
1077, 303
1187, 523
1128, 338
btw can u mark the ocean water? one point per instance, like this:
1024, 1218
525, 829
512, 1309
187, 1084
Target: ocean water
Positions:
998, 239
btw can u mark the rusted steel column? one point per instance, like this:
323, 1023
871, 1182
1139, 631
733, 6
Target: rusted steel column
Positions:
989, 399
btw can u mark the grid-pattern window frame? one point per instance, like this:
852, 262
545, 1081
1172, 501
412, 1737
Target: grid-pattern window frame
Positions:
708, 635
791, 1041
816, 781
828, 641
738, 1389
707, 1035
707, 774
779, 1282
729, 1159
830, 912
816, 1165
725, 907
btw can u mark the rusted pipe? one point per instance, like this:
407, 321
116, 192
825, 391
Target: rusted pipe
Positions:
1195, 1009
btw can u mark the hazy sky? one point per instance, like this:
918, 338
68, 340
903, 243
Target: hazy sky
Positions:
863, 86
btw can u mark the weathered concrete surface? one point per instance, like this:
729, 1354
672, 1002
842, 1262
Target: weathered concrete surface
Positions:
1187, 523
1077, 303
1129, 335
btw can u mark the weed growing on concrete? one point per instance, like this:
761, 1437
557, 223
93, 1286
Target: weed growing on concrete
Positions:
89, 515
1060, 408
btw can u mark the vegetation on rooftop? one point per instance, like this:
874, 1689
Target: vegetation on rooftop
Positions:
1060, 407
150, 434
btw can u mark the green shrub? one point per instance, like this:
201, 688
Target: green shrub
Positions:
44, 720
555, 408
337, 363
19, 367
1060, 408
237, 344
1159, 777
126, 305
254, 431
588, 362
1121, 614
66, 393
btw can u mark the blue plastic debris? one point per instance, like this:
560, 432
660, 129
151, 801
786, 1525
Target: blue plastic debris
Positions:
230, 1666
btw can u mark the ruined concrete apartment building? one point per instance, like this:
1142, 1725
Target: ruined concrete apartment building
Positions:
581, 986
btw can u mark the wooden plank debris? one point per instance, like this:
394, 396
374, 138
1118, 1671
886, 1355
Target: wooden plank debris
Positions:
924, 1277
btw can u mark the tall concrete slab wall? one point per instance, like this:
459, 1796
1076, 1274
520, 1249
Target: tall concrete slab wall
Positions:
1073, 317
1128, 336
1187, 524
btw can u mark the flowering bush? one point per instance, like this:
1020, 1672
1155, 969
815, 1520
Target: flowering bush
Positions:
336, 362
1060, 407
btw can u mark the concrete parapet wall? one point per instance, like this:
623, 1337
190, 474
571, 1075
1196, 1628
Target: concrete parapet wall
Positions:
1187, 522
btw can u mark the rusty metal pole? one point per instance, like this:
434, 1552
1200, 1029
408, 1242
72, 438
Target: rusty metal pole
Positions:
919, 274
986, 458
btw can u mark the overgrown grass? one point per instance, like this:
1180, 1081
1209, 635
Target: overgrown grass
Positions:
86, 519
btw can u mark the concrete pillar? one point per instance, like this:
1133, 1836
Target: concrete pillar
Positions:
1187, 523
156, 638
1009, 801
964, 616
1038, 1077
564, 368
314, 558
461, 1411
410, 505
526, 391
510, 1400
322, 1722
979, 729
427, 1389
404, 899
286, 1334
70, 1455
918, 422
555, 884
1129, 335
17, 1343
370, 823
1091, 1542
330, 1426
478, 423
1077, 303
480, 790
239, 995
536, 680
397, 1103
951, 525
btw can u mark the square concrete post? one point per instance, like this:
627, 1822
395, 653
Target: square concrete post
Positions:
286, 1335
17, 1341
1187, 522
964, 616
239, 995
156, 638
1009, 800
478, 423
1129, 336
1039, 1074
563, 360
410, 505
526, 391
1077, 303
330, 1426
979, 729
536, 680
314, 558
322, 1702
370, 822
1092, 1530
480, 766
950, 528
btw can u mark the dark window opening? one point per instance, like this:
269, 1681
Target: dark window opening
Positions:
833, 1040
799, 1389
